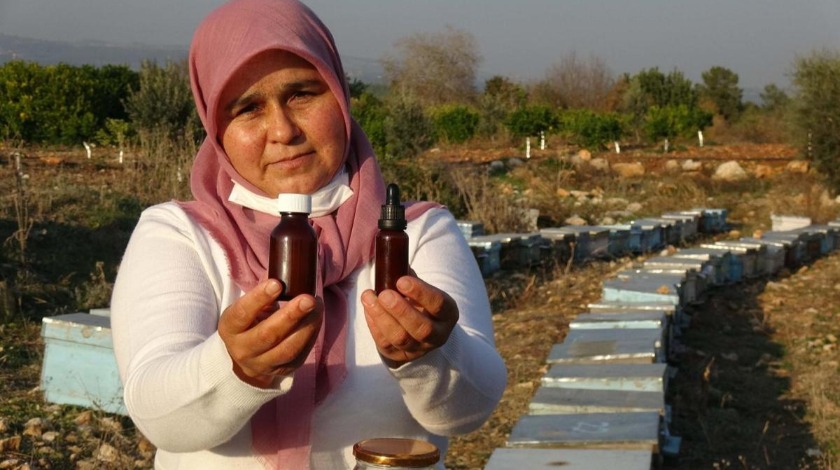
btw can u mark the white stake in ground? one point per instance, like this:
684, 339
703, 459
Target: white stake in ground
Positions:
527, 147
87, 148
700, 137
617, 147
542, 140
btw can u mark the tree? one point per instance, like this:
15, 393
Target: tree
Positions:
163, 102
774, 98
60, 104
817, 78
501, 97
408, 131
652, 88
435, 68
720, 86
670, 122
658, 89
577, 83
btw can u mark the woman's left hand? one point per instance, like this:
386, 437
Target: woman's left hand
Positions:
408, 323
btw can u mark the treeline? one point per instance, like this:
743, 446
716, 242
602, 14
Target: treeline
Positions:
430, 97
66, 105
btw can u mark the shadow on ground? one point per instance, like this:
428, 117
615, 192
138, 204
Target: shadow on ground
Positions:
730, 396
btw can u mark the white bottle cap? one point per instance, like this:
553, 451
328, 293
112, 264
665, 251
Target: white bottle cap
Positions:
300, 203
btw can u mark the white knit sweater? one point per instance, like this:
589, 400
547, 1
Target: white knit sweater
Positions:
180, 388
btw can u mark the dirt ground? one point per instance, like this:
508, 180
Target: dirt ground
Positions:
758, 382
743, 396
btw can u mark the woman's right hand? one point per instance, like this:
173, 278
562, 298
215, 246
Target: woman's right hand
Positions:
265, 342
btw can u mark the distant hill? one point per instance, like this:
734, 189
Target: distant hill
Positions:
82, 53
100, 53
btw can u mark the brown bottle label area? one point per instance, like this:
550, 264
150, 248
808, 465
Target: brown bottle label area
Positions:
391, 259
293, 262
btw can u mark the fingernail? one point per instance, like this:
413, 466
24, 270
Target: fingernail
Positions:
387, 298
272, 288
368, 298
403, 284
306, 304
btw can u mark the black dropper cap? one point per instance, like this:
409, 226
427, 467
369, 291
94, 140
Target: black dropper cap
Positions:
392, 216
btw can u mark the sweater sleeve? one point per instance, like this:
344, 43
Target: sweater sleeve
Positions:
455, 388
179, 384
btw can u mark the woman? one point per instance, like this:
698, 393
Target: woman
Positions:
216, 373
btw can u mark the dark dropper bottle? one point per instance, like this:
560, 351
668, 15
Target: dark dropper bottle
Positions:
293, 249
391, 242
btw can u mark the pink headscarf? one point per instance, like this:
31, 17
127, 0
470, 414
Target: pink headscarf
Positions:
223, 42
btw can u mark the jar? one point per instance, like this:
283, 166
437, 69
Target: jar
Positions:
395, 454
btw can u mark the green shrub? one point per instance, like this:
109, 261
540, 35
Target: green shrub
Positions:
670, 122
817, 116
60, 104
531, 120
370, 113
590, 129
408, 131
455, 123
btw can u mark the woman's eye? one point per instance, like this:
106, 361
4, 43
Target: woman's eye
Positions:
247, 109
301, 95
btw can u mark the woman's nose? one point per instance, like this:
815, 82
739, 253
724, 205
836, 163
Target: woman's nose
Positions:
282, 126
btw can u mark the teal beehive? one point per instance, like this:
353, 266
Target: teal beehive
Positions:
79, 365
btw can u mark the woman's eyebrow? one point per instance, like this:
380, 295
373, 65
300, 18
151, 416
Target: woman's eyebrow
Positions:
288, 86
242, 100
301, 84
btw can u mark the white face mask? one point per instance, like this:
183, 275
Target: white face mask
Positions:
324, 201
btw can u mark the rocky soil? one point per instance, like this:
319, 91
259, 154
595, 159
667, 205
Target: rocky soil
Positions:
759, 369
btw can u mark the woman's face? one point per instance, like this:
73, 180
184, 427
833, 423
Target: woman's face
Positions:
281, 125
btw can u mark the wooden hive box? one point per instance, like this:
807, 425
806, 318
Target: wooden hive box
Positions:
713, 221
638, 430
832, 235
691, 223
577, 238
562, 401
637, 346
653, 234
470, 228
569, 459
797, 247
748, 257
774, 257
638, 290
79, 365
629, 235
651, 377
820, 242
487, 254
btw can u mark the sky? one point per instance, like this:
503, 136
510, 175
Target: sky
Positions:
757, 39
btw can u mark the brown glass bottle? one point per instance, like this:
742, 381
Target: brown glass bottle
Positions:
391, 242
293, 248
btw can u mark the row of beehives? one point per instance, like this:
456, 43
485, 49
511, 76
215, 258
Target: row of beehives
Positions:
578, 243
602, 402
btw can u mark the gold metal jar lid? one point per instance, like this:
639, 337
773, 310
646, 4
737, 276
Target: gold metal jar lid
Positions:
397, 452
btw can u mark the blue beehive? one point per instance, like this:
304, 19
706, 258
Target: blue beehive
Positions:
577, 240
487, 253
690, 221
797, 252
653, 234
633, 234
470, 228
79, 367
